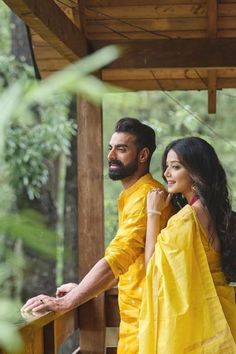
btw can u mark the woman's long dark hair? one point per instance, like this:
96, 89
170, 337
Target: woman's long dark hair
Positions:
210, 181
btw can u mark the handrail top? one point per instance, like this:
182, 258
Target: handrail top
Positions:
41, 319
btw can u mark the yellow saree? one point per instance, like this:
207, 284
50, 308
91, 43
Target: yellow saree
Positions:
187, 306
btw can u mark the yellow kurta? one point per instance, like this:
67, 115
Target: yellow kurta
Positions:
187, 306
125, 255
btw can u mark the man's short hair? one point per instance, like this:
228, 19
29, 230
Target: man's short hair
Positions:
144, 134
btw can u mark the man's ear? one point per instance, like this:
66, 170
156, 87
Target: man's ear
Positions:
144, 155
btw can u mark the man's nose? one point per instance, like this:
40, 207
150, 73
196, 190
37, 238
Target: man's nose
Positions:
111, 155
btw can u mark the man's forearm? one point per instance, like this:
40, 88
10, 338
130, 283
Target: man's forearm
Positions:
99, 278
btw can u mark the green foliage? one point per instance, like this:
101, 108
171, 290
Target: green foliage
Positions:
10, 339
4, 29
30, 147
30, 227
30, 144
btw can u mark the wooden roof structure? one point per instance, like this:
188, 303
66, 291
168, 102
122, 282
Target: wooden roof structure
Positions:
170, 44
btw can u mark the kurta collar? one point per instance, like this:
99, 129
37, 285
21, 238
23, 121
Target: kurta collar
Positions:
127, 192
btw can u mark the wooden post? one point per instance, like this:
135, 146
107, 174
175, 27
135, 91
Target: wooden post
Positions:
212, 74
90, 216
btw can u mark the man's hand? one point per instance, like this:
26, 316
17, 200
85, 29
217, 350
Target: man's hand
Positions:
44, 303
64, 289
96, 281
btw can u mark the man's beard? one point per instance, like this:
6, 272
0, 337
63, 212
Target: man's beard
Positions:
122, 171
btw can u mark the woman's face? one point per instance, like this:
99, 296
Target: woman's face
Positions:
177, 176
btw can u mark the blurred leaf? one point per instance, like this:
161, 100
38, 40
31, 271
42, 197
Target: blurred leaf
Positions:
10, 339
30, 227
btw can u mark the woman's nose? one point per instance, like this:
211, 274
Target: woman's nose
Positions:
167, 172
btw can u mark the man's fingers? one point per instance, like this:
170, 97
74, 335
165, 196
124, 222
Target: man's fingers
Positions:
33, 302
41, 307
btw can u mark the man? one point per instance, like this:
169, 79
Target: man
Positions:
130, 151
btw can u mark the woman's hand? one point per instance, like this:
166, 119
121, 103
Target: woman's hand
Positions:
157, 200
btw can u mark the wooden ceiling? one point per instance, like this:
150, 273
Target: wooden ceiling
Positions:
170, 44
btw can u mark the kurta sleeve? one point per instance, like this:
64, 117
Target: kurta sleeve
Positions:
181, 312
129, 241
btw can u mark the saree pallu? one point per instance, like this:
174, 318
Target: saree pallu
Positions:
181, 310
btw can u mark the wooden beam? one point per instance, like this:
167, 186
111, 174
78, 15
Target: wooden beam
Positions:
90, 216
138, 2
173, 84
51, 23
198, 53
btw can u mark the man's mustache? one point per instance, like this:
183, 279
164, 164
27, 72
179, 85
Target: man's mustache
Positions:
115, 162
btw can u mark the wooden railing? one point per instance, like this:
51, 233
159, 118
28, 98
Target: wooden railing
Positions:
45, 333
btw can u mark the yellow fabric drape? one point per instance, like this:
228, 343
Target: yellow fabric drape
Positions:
187, 306
125, 255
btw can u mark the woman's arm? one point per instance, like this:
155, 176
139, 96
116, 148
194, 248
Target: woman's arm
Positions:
153, 229
157, 201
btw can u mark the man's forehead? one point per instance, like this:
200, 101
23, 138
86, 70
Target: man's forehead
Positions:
122, 138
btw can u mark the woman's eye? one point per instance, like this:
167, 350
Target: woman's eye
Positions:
176, 167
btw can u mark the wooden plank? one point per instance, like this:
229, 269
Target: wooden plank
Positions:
156, 11
226, 73
224, 23
112, 36
69, 3
33, 339
147, 11
146, 74
226, 10
212, 83
111, 351
168, 85
212, 18
57, 30
163, 24
172, 85
212, 33
112, 308
54, 64
49, 346
226, 83
90, 216
140, 2
46, 53
227, 1
64, 327
198, 53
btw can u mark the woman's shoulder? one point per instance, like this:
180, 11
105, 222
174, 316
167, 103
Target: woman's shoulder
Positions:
180, 228
185, 213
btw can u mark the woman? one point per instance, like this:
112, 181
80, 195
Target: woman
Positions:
189, 305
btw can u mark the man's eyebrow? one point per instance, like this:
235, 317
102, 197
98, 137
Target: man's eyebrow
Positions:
121, 145
118, 145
